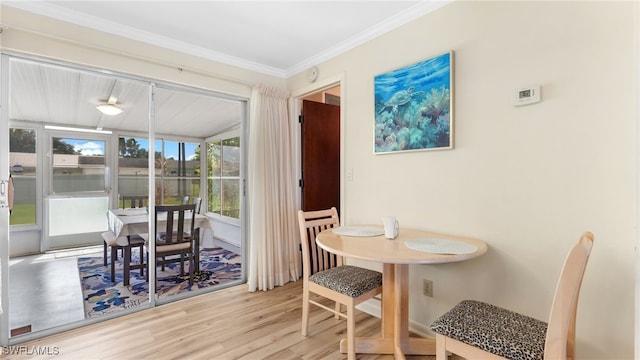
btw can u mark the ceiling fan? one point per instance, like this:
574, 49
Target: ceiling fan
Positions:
109, 108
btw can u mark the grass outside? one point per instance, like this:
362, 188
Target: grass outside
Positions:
23, 214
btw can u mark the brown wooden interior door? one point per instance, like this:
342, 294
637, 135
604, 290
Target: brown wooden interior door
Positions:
320, 156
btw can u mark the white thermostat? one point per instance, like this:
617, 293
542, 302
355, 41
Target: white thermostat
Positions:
527, 95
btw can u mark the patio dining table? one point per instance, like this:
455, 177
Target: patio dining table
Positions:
124, 222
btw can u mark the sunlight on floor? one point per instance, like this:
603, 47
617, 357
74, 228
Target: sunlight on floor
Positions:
45, 290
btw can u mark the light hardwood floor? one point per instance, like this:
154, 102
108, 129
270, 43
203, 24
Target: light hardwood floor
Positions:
226, 324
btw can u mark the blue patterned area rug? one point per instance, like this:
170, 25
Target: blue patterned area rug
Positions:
101, 296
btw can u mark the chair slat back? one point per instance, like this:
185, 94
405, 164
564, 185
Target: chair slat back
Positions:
174, 229
311, 223
134, 201
560, 339
198, 203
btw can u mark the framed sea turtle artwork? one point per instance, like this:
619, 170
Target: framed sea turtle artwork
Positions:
414, 107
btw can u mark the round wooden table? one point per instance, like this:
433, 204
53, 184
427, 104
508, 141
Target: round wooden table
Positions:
396, 256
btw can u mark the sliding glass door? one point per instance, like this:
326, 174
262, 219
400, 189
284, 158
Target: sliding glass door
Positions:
4, 195
73, 165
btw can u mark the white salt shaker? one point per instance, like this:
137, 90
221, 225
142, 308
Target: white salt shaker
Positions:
390, 227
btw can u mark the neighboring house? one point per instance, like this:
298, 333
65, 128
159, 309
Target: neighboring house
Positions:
22, 163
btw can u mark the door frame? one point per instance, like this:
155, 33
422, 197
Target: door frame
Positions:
346, 171
4, 212
152, 85
46, 147
321, 84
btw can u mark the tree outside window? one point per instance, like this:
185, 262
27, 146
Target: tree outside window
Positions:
224, 177
177, 166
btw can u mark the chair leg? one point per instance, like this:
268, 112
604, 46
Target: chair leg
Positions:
127, 265
441, 351
104, 251
114, 250
191, 269
196, 250
351, 329
155, 269
305, 311
141, 251
147, 277
338, 309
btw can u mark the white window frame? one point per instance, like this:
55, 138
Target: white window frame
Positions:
221, 137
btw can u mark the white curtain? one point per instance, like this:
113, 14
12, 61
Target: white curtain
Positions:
274, 255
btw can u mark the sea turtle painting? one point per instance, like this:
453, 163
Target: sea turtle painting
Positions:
400, 98
412, 106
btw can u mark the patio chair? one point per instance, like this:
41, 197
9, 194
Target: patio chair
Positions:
173, 241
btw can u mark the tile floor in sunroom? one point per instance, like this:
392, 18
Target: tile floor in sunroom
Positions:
44, 290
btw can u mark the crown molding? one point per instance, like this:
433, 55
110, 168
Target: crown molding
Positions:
402, 18
129, 32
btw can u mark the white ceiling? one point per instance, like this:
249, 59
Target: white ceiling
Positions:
56, 95
278, 38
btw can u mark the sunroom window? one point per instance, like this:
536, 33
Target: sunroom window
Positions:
177, 166
224, 176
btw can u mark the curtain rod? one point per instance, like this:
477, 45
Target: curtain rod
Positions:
4, 27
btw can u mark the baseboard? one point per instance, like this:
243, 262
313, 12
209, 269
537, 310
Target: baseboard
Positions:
373, 308
226, 245
420, 330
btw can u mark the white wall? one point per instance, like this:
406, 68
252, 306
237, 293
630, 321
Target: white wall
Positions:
527, 180
227, 231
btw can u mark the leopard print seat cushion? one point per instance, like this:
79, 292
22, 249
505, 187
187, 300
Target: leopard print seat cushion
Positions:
494, 329
350, 280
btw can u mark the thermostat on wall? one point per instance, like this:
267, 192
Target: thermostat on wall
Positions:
527, 95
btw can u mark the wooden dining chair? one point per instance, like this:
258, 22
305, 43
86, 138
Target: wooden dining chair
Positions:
477, 330
173, 240
132, 202
109, 240
324, 274
133, 241
197, 201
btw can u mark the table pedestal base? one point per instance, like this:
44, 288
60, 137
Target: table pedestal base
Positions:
394, 338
